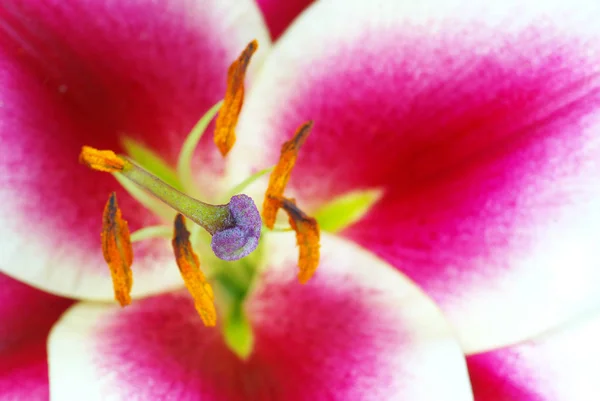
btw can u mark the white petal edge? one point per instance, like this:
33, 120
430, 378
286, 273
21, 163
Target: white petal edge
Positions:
559, 365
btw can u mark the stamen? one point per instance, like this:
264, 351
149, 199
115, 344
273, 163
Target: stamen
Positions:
101, 160
235, 227
234, 99
281, 175
194, 279
117, 250
307, 237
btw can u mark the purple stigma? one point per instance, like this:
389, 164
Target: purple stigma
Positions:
240, 239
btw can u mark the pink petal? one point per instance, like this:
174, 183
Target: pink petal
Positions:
85, 72
24, 372
280, 13
26, 315
479, 120
26, 312
357, 331
560, 366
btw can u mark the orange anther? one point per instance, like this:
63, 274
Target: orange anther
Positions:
194, 279
101, 160
234, 99
281, 174
117, 250
307, 237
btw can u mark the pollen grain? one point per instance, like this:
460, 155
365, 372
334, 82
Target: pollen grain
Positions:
117, 250
226, 121
189, 266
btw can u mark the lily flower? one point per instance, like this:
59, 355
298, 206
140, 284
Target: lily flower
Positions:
135, 78
450, 168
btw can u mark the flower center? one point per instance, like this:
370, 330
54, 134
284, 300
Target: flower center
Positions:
233, 229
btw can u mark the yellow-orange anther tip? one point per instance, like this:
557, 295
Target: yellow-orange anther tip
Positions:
224, 136
117, 250
307, 238
101, 160
282, 172
189, 267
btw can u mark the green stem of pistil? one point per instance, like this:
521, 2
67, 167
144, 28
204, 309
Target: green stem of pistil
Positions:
212, 217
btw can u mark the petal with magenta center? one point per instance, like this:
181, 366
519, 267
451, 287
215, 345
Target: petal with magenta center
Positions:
478, 121
26, 315
358, 330
85, 72
558, 366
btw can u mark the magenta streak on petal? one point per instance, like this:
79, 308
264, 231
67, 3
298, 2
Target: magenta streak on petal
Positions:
496, 377
314, 342
83, 73
470, 148
279, 14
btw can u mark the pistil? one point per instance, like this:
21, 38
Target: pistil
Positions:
235, 227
